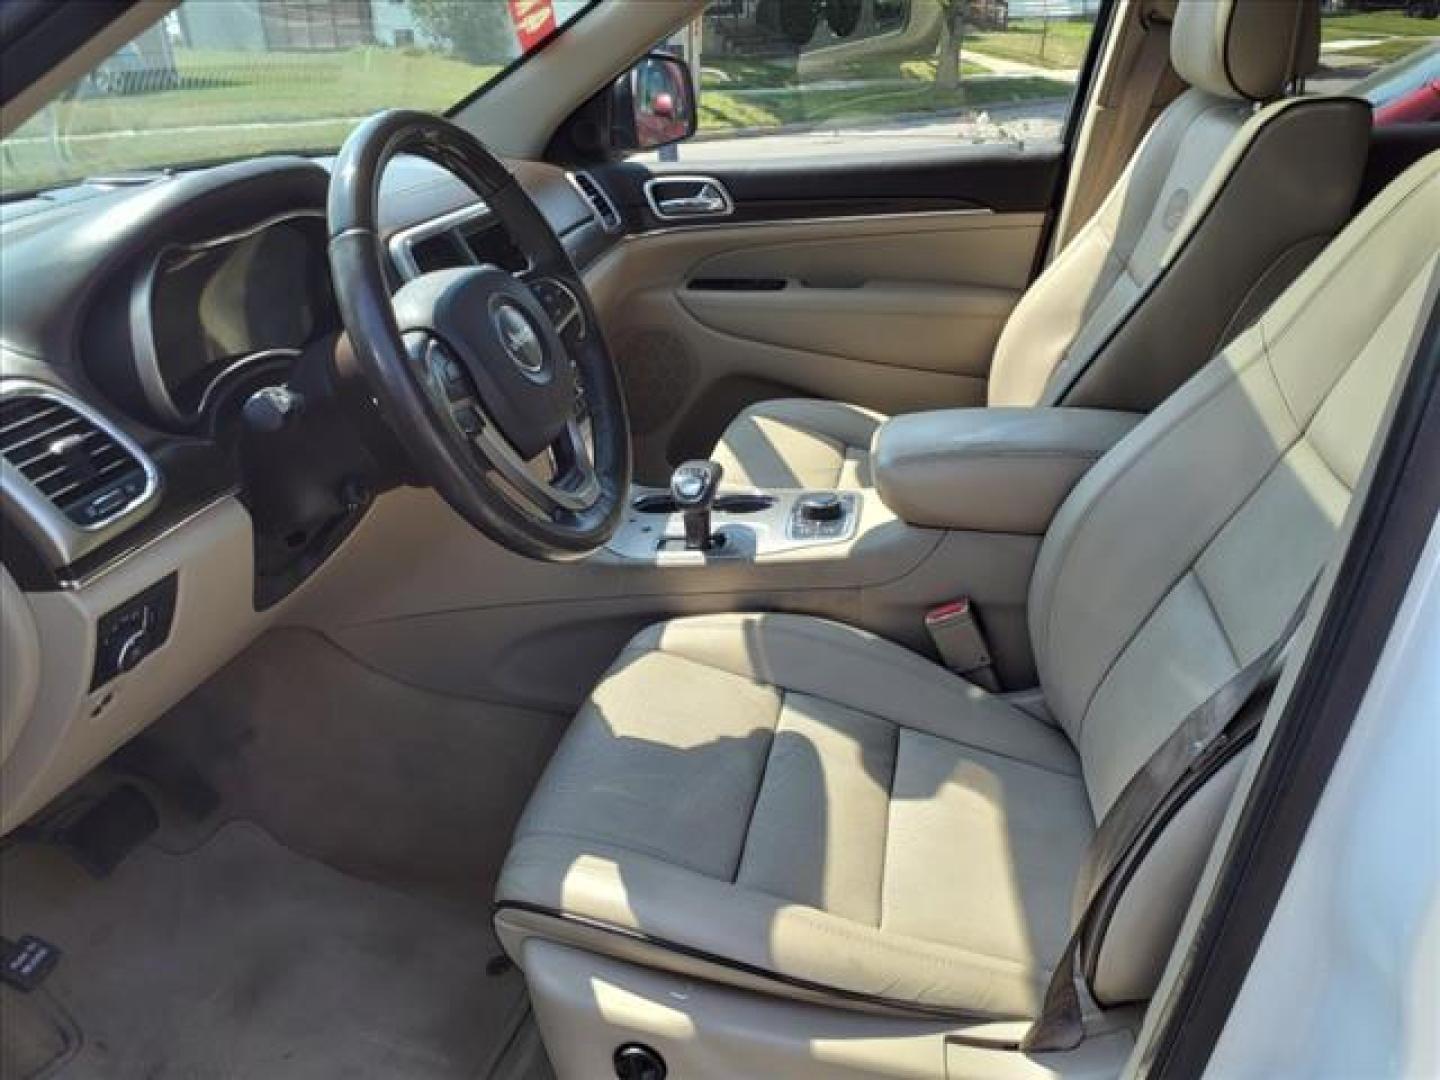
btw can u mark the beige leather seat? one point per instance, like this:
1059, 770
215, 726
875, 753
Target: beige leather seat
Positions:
1223, 204
791, 805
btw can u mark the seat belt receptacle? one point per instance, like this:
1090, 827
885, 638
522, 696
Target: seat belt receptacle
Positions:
961, 643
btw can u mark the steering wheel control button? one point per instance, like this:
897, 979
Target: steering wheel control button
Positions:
559, 303
127, 634
467, 419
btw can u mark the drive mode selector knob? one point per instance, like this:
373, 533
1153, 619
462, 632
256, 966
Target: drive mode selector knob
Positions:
825, 506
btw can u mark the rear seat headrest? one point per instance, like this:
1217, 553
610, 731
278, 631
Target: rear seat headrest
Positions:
1246, 49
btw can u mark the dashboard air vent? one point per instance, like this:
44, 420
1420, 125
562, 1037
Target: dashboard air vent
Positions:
76, 464
599, 201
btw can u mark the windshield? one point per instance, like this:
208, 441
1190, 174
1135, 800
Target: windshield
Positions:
216, 80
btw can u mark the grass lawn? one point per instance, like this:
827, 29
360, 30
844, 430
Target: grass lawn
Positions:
748, 95
239, 88
1062, 45
738, 75
1376, 24
1386, 51
725, 113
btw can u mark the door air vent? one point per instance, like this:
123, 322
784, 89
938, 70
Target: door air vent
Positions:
599, 201
78, 465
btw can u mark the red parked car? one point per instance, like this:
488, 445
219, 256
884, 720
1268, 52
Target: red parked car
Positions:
1407, 91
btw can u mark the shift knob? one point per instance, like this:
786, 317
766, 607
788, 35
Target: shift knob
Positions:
693, 486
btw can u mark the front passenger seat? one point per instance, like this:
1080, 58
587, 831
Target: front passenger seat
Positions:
1225, 201
801, 809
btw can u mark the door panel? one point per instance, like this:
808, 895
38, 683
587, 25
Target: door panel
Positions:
945, 328
897, 310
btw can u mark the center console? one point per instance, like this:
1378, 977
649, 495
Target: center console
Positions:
961, 502
748, 525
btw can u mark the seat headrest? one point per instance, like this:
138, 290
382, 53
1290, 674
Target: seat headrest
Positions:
1247, 49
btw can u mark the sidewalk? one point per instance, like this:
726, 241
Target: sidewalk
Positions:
1017, 68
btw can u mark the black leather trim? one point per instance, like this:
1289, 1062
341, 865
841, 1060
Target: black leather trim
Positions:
1094, 945
1225, 54
995, 177
1393, 149
852, 997
1073, 382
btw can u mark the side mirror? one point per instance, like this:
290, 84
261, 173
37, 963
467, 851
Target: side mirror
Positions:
652, 104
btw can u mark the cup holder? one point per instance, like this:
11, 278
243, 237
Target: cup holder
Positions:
744, 503
734, 503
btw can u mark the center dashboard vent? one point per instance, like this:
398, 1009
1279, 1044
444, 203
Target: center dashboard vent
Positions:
599, 201
80, 467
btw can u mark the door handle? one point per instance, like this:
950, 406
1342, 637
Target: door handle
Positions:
691, 197
707, 202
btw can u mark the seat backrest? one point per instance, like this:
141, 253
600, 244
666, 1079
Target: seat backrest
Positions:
1181, 555
1225, 201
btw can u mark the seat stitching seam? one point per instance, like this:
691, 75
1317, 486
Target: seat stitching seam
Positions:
1174, 583
1267, 356
1106, 484
626, 843
885, 836
913, 948
787, 690
987, 751
1215, 612
810, 984
759, 787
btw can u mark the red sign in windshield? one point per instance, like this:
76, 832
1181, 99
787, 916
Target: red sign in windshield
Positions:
534, 21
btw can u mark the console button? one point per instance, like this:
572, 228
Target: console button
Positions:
823, 506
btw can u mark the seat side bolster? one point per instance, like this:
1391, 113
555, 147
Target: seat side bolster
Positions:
615, 901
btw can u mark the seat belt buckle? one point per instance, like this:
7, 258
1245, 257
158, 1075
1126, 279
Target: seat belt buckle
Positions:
958, 638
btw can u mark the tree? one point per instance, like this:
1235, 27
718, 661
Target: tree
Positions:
952, 37
475, 30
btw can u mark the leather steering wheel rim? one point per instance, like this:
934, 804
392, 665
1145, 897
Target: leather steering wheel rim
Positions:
475, 368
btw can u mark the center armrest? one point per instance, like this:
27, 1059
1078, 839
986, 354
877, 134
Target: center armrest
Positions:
990, 470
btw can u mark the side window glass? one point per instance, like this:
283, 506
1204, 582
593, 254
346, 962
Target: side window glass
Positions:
1389, 57
832, 77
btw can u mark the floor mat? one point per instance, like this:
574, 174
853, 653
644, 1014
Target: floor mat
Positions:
243, 959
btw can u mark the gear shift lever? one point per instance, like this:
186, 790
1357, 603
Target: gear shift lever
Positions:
693, 486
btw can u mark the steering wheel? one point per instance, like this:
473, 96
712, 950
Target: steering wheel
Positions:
498, 385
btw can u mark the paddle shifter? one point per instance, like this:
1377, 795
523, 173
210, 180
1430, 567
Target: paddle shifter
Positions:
693, 486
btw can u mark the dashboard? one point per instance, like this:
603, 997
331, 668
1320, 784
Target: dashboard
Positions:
151, 528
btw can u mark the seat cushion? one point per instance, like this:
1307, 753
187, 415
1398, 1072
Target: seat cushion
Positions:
799, 443
789, 800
